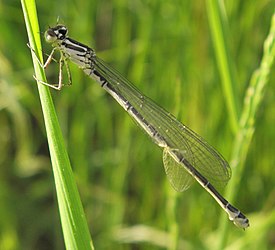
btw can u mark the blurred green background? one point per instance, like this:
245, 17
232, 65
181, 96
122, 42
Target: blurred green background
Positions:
165, 48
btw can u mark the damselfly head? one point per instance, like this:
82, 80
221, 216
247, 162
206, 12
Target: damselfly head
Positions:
58, 32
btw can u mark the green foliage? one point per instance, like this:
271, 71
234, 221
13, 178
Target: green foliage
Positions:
213, 76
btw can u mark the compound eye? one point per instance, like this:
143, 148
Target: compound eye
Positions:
50, 35
56, 33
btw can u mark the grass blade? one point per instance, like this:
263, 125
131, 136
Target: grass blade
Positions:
218, 26
74, 226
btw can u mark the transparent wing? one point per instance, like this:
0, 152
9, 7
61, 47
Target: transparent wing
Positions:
176, 135
178, 177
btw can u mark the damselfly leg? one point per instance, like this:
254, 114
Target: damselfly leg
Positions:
62, 61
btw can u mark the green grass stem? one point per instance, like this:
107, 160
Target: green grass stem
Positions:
74, 226
220, 37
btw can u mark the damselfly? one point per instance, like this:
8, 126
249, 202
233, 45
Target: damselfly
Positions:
185, 154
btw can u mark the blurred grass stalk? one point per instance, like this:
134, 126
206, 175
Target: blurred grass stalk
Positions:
252, 100
74, 226
220, 33
243, 127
